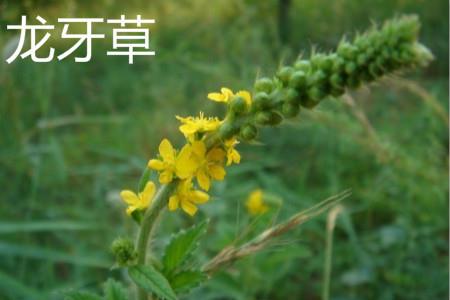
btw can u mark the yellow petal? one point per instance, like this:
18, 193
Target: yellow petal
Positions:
155, 164
199, 197
203, 180
129, 197
227, 93
185, 164
166, 151
148, 193
217, 172
130, 209
188, 207
188, 129
165, 176
173, 203
233, 157
247, 97
216, 97
216, 154
199, 149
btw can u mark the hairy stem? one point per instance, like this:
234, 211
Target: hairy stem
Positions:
150, 216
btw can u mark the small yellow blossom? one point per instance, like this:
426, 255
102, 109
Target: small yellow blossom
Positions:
233, 155
139, 201
191, 125
226, 95
172, 164
255, 204
186, 197
210, 164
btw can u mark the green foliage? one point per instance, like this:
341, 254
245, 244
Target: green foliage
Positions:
78, 295
149, 279
73, 134
114, 290
181, 246
184, 281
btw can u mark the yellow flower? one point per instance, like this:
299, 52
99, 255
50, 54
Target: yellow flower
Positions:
255, 204
186, 197
139, 201
226, 95
233, 155
210, 165
171, 163
190, 125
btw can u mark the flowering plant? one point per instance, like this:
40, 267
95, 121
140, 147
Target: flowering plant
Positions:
185, 175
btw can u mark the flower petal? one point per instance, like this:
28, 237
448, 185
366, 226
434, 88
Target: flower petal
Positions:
203, 180
173, 203
129, 197
199, 197
155, 164
185, 165
166, 150
247, 97
217, 172
165, 176
216, 154
216, 97
227, 93
148, 193
199, 149
189, 207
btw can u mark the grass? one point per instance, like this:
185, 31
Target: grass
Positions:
73, 135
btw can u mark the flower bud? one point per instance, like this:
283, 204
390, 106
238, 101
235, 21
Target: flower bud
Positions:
262, 118
264, 85
227, 130
284, 74
123, 251
316, 94
261, 101
298, 80
238, 105
350, 68
248, 132
302, 65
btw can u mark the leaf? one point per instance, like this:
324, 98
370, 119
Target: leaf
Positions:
182, 245
114, 290
187, 280
152, 281
79, 295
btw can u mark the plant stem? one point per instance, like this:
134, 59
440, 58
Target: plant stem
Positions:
150, 216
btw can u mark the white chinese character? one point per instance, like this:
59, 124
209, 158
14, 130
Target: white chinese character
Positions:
84, 37
23, 27
131, 38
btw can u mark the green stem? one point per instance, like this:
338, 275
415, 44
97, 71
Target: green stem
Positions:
159, 202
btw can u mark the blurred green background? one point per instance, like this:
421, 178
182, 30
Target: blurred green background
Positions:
73, 135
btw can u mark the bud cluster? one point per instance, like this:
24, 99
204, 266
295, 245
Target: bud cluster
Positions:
376, 53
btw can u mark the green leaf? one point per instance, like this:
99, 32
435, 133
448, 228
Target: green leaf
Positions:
182, 245
187, 280
152, 281
78, 295
114, 290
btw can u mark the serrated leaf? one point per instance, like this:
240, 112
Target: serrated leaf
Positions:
114, 290
182, 245
187, 280
79, 295
152, 281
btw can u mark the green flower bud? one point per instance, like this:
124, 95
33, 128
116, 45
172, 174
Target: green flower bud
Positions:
302, 65
284, 74
291, 95
316, 94
337, 80
298, 80
290, 109
309, 103
238, 105
248, 132
261, 101
350, 68
264, 85
227, 130
262, 118
275, 118
123, 251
